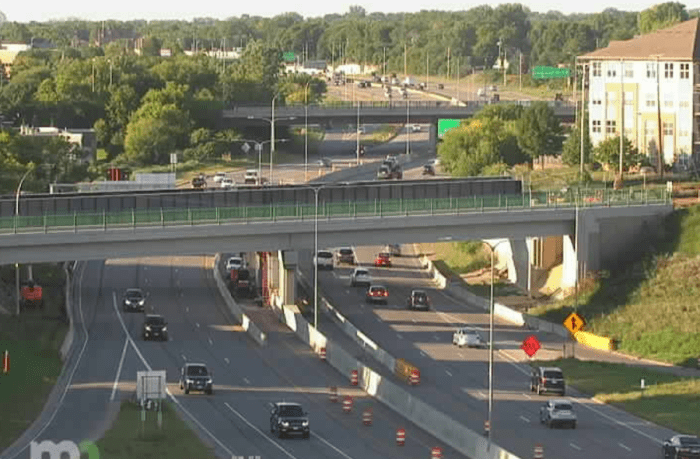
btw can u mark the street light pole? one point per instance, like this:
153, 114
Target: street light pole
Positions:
358, 132
306, 132
408, 128
19, 188
272, 134
316, 191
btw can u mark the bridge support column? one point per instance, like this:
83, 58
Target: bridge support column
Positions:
432, 142
287, 265
575, 268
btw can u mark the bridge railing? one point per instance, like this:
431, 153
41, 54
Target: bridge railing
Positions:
379, 208
336, 104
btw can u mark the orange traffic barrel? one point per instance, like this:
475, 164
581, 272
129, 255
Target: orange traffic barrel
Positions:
414, 378
353, 378
347, 404
367, 417
400, 437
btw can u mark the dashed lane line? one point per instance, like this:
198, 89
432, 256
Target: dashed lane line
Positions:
119, 370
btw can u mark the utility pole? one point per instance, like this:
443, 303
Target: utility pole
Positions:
405, 60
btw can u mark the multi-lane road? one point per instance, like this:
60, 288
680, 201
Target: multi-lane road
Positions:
247, 379
456, 380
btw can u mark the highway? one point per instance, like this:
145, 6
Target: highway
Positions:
235, 419
456, 380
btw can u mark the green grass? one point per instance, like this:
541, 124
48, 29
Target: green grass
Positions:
651, 308
462, 257
668, 400
382, 135
33, 340
129, 438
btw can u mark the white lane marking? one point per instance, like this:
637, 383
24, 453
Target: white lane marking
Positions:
625, 446
414, 320
145, 279
119, 370
524, 419
436, 338
399, 336
330, 445
574, 446
448, 372
77, 363
183, 357
227, 360
167, 391
211, 343
423, 354
197, 324
481, 394
260, 432
610, 418
187, 309
527, 396
246, 380
178, 282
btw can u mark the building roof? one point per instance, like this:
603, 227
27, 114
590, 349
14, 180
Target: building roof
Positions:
679, 42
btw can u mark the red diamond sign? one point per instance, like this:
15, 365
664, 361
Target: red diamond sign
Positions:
530, 345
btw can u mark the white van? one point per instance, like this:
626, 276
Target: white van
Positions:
324, 259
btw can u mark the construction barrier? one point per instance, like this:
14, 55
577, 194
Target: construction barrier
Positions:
414, 379
353, 378
436, 453
400, 437
404, 370
322, 353
333, 394
539, 452
594, 341
367, 417
347, 404
487, 427
6, 362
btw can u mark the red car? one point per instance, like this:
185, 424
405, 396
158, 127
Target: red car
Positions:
377, 294
383, 259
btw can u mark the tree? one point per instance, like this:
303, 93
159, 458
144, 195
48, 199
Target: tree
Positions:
539, 131
661, 16
571, 151
154, 131
608, 152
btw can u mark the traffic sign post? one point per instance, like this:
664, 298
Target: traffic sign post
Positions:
530, 345
574, 323
245, 147
6, 362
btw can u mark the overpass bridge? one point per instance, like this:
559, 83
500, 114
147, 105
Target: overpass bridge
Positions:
609, 225
372, 112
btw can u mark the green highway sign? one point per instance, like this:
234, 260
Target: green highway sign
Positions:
543, 72
289, 56
445, 125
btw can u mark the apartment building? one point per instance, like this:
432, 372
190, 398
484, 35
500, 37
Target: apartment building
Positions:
649, 88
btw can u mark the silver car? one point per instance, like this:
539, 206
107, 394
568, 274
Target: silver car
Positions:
558, 412
360, 277
469, 337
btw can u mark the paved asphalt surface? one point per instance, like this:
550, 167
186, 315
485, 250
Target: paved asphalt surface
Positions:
235, 419
456, 380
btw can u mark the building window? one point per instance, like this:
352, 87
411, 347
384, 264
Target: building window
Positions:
596, 126
668, 101
612, 70
629, 70
684, 134
684, 104
651, 70
597, 69
668, 128
651, 101
685, 71
668, 70
610, 126
629, 98
597, 102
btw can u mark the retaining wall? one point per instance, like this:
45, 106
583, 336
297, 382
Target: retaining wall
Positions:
69, 268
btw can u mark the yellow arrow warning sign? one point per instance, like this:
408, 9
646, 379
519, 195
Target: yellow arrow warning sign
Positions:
574, 322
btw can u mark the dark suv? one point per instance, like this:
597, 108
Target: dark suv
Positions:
195, 376
418, 300
547, 379
134, 300
289, 418
155, 327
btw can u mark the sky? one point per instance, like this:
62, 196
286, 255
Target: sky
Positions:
44, 10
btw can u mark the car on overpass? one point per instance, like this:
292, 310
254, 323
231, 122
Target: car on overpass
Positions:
155, 327
377, 294
547, 379
558, 412
360, 277
289, 418
418, 300
383, 259
681, 447
196, 377
134, 300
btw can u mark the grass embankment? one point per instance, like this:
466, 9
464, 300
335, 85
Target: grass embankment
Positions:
129, 437
668, 400
652, 308
384, 134
33, 340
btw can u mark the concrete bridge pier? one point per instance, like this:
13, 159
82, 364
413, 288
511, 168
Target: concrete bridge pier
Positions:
515, 256
287, 261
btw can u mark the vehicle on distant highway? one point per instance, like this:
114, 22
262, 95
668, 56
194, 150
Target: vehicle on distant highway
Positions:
361, 130
324, 259
227, 183
251, 177
377, 294
199, 182
133, 300
324, 162
345, 255
395, 81
418, 300
415, 127
196, 377
234, 263
547, 379
558, 412
242, 282
428, 169
360, 276
219, 176
681, 447
289, 418
383, 259
467, 336
155, 327
393, 249
389, 170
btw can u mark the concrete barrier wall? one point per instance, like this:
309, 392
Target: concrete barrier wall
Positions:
68, 340
235, 309
595, 341
351, 330
438, 424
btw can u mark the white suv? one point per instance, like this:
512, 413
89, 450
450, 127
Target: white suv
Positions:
360, 277
219, 176
251, 177
324, 259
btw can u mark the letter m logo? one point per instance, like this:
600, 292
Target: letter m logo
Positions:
54, 451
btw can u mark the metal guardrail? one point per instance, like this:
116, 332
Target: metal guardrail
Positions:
327, 210
400, 104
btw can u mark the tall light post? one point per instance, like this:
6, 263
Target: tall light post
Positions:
306, 131
19, 188
272, 133
408, 128
493, 250
358, 131
316, 192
